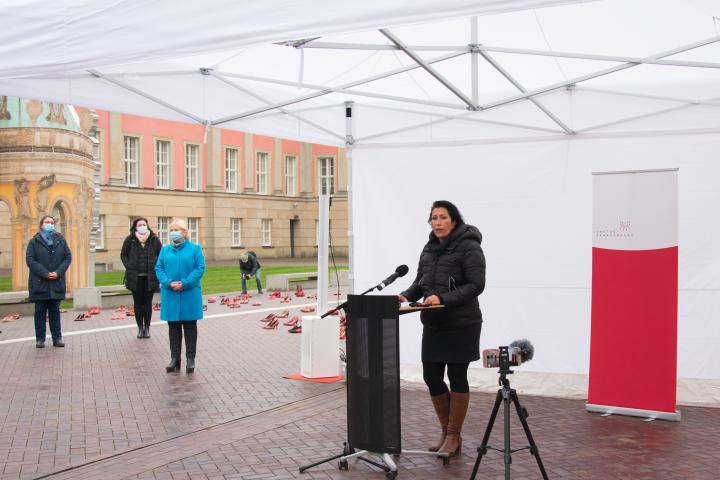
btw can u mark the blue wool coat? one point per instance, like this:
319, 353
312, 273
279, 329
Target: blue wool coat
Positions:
185, 263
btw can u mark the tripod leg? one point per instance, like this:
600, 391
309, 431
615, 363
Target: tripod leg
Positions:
329, 459
482, 449
523, 414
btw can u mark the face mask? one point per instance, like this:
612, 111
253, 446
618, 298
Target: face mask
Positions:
175, 236
142, 229
48, 227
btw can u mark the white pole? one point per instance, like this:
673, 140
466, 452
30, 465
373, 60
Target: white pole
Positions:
349, 141
323, 241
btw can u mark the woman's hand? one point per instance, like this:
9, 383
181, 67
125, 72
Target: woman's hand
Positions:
432, 300
402, 299
52, 275
177, 286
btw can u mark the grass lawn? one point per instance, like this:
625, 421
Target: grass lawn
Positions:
217, 279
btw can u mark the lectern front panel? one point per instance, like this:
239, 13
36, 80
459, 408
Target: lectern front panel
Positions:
373, 373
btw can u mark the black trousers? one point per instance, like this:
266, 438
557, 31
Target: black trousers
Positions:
434, 376
142, 298
175, 332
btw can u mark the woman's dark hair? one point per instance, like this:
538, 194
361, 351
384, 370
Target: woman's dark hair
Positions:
134, 224
452, 211
43, 219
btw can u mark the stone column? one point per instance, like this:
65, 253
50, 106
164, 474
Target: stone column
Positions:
215, 158
249, 162
277, 168
115, 163
306, 170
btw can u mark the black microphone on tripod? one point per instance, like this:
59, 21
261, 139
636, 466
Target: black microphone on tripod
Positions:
400, 271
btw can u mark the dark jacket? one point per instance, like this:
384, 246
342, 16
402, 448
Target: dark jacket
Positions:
131, 254
454, 270
42, 259
251, 266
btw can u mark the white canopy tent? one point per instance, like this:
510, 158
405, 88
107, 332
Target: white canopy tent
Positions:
503, 107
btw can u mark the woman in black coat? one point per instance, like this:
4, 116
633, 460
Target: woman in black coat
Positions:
48, 258
451, 272
139, 254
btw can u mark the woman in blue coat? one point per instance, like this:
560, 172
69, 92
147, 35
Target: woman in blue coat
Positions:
48, 258
179, 268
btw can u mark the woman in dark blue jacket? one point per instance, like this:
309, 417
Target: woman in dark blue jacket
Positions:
451, 272
48, 258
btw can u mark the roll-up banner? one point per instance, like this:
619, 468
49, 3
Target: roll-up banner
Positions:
633, 337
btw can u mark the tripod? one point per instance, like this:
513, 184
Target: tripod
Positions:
505, 395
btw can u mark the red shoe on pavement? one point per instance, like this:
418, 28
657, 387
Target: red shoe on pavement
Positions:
212, 299
307, 309
130, 313
296, 329
292, 322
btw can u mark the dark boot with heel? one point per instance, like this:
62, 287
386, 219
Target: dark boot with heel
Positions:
175, 337
190, 365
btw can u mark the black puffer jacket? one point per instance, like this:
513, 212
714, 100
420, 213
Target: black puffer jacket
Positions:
130, 256
454, 270
42, 259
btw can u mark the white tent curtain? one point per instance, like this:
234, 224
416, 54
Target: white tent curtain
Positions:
533, 203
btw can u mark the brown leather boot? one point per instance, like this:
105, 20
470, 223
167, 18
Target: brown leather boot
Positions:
442, 410
458, 408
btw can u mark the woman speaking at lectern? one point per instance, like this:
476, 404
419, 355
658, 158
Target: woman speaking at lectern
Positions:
451, 272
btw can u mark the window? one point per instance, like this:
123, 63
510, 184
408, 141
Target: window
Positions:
326, 175
290, 174
194, 229
100, 233
266, 230
131, 155
163, 228
261, 172
231, 156
235, 232
162, 164
192, 161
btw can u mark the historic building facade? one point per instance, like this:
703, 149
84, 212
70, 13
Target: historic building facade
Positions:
237, 191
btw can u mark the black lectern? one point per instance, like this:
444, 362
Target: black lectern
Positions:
373, 383
373, 373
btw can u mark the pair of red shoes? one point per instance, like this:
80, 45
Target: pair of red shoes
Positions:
212, 299
156, 307
94, 311
299, 292
274, 295
307, 309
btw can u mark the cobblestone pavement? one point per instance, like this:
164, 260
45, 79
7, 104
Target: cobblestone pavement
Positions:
103, 407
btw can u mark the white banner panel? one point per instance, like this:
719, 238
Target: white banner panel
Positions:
635, 210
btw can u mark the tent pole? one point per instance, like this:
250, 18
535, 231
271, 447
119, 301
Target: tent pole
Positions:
349, 142
137, 91
474, 59
426, 66
327, 91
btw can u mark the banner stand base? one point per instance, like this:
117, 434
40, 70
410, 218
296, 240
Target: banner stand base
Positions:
635, 412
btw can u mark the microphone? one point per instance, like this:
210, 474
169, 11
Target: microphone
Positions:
400, 271
525, 349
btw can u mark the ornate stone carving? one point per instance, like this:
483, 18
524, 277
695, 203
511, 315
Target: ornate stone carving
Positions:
23, 216
85, 119
56, 113
4, 113
41, 199
34, 108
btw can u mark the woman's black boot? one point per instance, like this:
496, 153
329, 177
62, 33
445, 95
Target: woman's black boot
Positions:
141, 332
146, 332
190, 365
174, 365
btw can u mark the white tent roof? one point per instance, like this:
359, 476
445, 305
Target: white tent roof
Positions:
510, 72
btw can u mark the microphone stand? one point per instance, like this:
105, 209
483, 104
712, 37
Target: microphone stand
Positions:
345, 303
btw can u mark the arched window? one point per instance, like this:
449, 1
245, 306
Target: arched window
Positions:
60, 217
